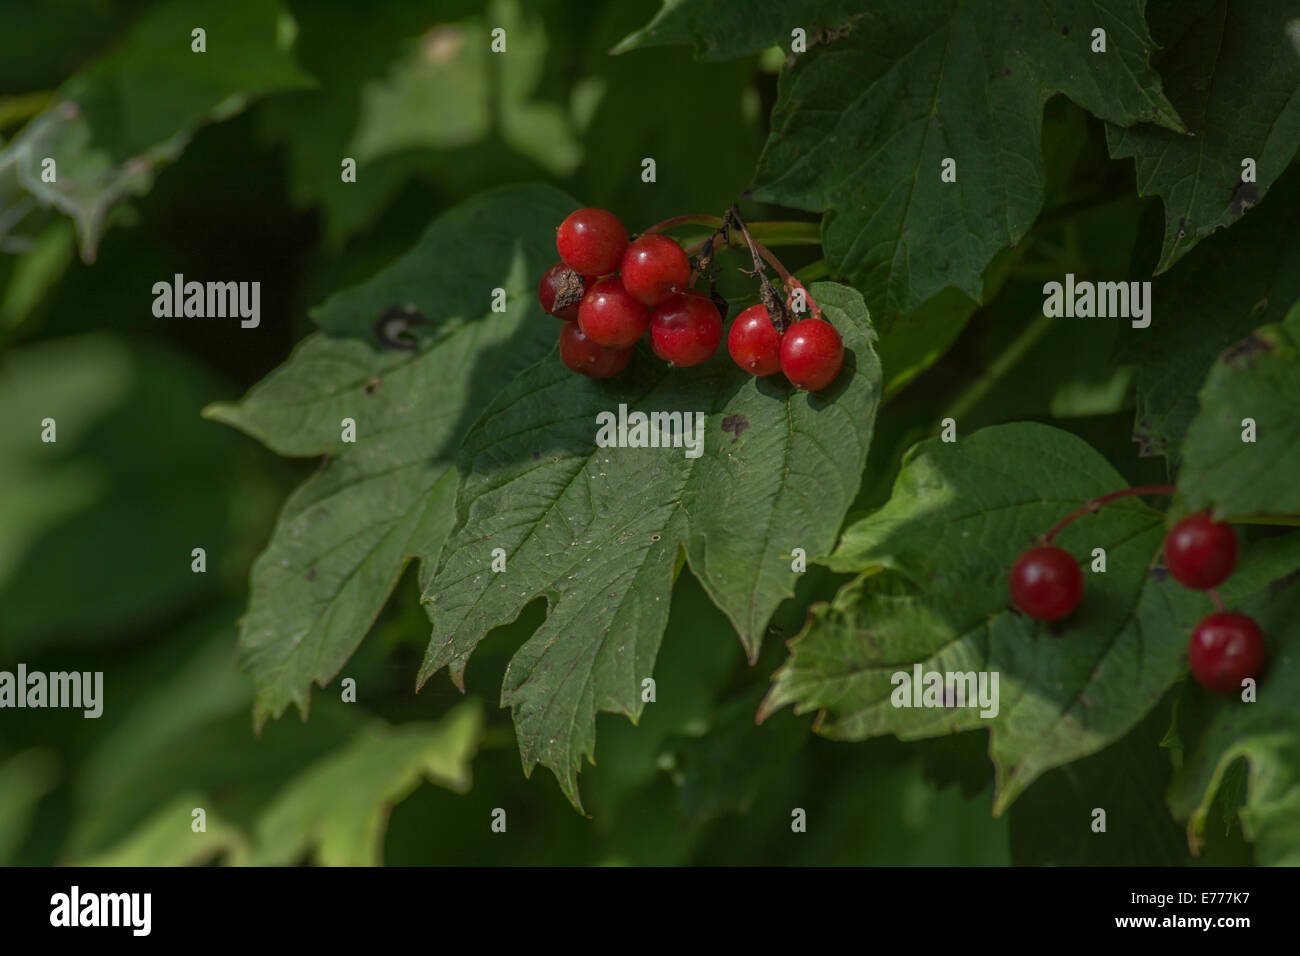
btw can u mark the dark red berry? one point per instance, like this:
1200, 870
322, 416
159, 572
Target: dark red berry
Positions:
560, 280
591, 241
1046, 582
1225, 649
811, 354
685, 329
754, 342
585, 357
609, 316
1200, 551
655, 267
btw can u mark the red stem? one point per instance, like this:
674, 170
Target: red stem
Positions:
1097, 503
713, 221
757, 250
1218, 601
789, 281
696, 249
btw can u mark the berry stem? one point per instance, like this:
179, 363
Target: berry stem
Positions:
1218, 601
713, 221
813, 271
1096, 504
774, 232
1002, 364
1290, 521
761, 254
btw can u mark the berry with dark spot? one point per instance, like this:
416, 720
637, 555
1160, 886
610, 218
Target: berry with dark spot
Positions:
560, 282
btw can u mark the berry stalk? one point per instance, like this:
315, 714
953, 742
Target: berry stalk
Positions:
1096, 504
775, 232
760, 254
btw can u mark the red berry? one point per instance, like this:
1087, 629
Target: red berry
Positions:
1046, 582
1200, 551
591, 241
811, 354
609, 316
655, 267
685, 329
553, 283
585, 357
754, 342
1225, 649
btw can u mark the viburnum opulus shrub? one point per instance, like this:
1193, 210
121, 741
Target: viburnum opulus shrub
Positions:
550, 402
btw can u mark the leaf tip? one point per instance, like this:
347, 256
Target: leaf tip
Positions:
218, 412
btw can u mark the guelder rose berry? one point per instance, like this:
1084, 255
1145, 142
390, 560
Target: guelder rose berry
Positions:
585, 357
560, 280
609, 316
754, 342
1200, 551
685, 329
1224, 650
811, 354
1046, 583
591, 241
655, 267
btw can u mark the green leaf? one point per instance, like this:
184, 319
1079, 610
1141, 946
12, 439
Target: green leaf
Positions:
453, 89
117, 121
315, 128
78, 509
861, 128
169, 710
1228, 286
595, 531
702, 103
36, 271
723, 770
1232, 70
722, 31
24, 779
1217, 730
694, 667
339, 806
1257, 379
345, 536
168, 838
933, 591
1052, 822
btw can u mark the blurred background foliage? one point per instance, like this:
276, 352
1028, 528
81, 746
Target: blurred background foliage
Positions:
234, 174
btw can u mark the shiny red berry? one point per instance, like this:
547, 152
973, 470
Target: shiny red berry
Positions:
1200, 551
685, 329
591, 241
1046, 582
811, 354
609, 316
1225, 649
655, 267
555, 281
754, 342
585, 357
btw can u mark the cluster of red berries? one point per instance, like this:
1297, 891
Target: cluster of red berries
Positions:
612, 292
1225, 648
